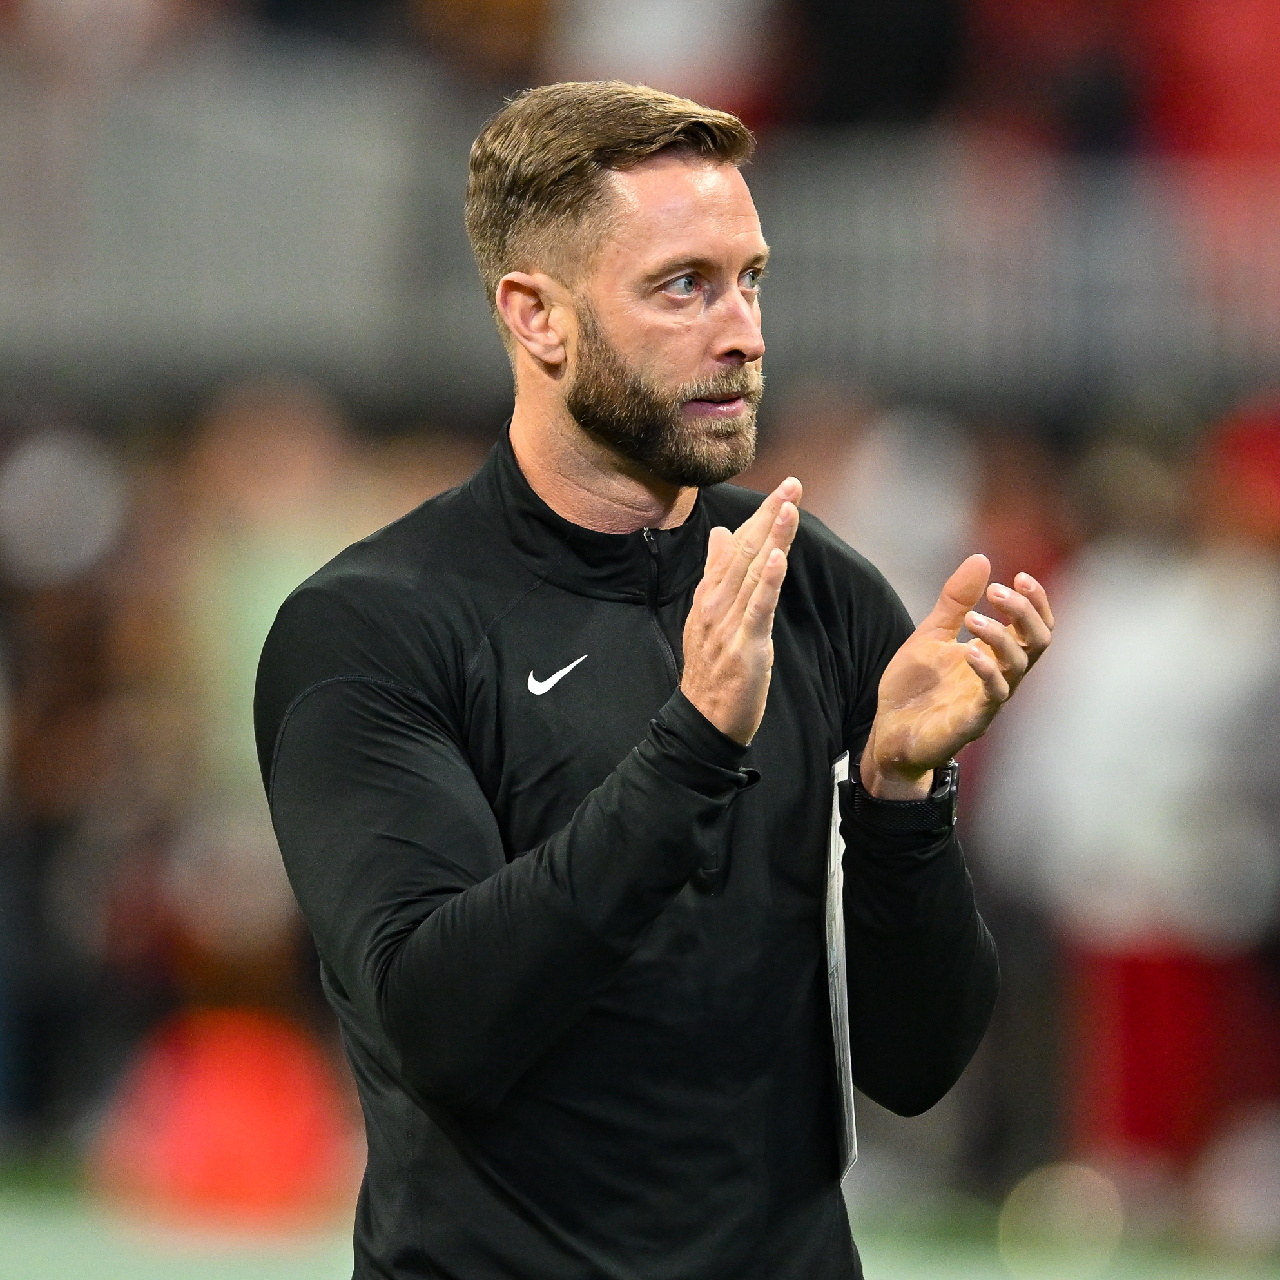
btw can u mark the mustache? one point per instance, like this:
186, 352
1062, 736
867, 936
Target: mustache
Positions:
747, 382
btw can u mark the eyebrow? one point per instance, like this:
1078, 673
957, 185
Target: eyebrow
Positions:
674, 266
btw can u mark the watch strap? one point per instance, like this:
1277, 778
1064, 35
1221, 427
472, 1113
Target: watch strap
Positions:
933, 815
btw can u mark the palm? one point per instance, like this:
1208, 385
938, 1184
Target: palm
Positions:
937, 694
931, 701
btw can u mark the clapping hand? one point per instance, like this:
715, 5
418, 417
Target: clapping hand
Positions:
728, 636
936, 694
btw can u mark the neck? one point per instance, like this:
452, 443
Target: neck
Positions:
586, 482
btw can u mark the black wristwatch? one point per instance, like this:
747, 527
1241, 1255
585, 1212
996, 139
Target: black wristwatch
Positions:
934, 815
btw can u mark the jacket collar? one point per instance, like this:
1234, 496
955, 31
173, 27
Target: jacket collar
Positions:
609, 566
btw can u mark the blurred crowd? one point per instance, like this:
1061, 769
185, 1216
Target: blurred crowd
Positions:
1109, 76
159, 1006
1122, 817
158, 1001
139, 876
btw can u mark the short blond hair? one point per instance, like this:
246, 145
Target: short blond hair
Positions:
538, 168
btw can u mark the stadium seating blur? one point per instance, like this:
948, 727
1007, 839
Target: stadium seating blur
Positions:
1024, 298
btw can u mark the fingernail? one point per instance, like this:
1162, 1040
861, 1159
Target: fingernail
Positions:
999, 592
977, 620
1028, 581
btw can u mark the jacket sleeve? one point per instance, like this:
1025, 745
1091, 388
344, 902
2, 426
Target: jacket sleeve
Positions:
468, 964
922, 968
923, 975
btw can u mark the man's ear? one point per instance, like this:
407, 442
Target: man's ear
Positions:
535, 308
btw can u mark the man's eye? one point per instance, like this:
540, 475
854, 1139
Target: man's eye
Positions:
684, 286
751, 277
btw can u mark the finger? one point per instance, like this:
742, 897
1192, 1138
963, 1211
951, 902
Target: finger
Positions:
719, 547
1002, 642
757, 617
1028, 587
751, 536
1028, 625
780, 538
959, 594
751, 579
987, 669
756, 525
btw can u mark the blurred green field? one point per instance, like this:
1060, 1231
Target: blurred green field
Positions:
65, 1239
57, 1236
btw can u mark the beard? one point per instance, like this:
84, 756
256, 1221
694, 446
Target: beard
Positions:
646, 424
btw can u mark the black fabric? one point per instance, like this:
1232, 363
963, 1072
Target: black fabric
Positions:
879, 62
574, 938
935, 815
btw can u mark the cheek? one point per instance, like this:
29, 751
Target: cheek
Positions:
676, 351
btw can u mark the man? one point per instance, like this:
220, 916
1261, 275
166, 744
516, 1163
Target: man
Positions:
549, 761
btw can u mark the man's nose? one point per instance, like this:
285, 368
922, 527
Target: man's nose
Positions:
739, 332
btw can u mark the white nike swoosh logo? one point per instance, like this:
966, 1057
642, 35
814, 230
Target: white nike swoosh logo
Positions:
539, 687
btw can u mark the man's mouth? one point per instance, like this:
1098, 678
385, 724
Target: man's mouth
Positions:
716, 407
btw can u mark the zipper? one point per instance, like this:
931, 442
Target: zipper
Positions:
651, 545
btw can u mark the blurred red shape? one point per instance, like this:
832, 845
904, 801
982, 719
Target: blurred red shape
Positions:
1167, 1045
1211, 65
228, 1118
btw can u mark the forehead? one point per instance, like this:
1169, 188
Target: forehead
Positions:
673, 206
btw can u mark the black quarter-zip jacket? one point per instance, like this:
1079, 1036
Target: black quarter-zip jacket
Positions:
574, 935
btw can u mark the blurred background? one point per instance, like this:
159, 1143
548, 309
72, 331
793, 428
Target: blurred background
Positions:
1025, 299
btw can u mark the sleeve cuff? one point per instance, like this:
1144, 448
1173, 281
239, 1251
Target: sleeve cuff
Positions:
696, 754
876, 832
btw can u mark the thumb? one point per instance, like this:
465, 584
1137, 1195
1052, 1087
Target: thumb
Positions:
960, 593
